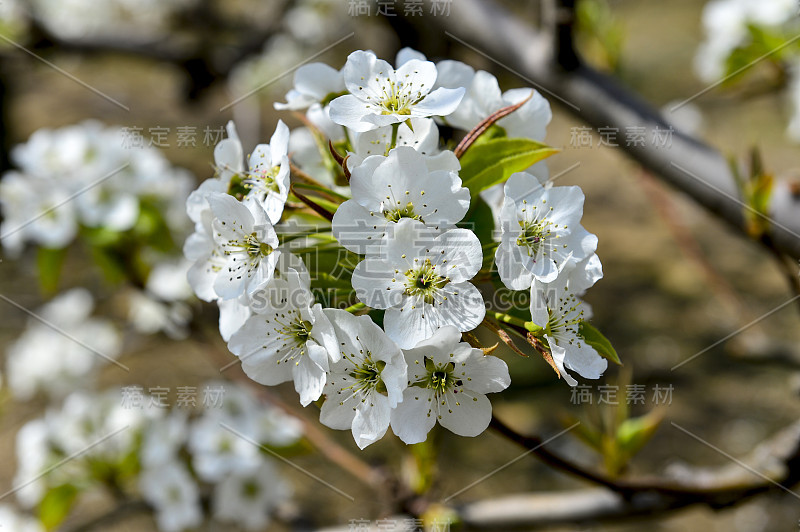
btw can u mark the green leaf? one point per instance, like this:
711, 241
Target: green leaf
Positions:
634, 433
491, 162
480, 221
595, 338
56, 505
49, 262
585, 432
152, 229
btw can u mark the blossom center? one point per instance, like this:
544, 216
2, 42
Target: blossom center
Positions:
424, 282
533, 236
368, 376
298, 329
398, 98
564, 318
406, 212
440, 377
263, 180
250, 245
250, 489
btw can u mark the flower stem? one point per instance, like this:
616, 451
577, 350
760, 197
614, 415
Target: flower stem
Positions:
395, 128
355, 308
519, 322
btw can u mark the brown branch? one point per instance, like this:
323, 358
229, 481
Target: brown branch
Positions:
729, 486
546, 59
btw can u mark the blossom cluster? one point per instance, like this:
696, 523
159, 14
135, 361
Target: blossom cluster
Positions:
173, 461
397, 356
740, 33
80, 177
63, 351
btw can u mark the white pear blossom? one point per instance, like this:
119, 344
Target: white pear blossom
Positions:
447, 382
83, 175
290, 340
162, 305
217, 451
366, 383
10, 519
84, 419
92, 428
389, 189
33, 455
21, 199
381, 96
240, 410
726, 28
248, 497
229, 156
267, 180
238, 256
163, 438
63, 354
313, 83
423, 281
541, 231
557, 309
174, 494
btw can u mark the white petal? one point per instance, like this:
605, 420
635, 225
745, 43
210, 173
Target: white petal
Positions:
488, 374
229, 158
232, 315
318, 80
279, 143
462, 252
464, 307
349, 112
377, 285
357, 229
371, 420
412, 419
466, 414
583, 359
511, 261
440, 102
559, 354
407, 54
309, 379
522, 185
422, 74
201, 277
338, 416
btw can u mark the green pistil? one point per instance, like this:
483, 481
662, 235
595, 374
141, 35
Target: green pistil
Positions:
299, 329
396, 101
368, 375
533, 235
237, 187
250, 489
424, 281
440, 378
255, 248
406, 212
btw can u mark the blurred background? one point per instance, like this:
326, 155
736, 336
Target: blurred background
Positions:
677, 281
